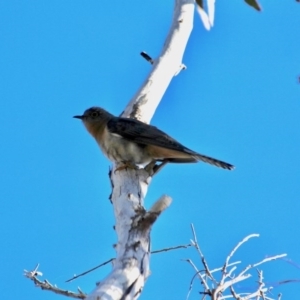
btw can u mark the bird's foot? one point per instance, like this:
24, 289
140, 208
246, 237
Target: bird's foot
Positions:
153, 168
157, 167
126, 165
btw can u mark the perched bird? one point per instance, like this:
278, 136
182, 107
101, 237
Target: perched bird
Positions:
137, 144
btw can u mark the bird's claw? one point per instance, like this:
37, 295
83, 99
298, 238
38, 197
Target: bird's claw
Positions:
153, 168
126, 165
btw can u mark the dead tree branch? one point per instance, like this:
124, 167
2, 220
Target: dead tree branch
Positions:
218, 290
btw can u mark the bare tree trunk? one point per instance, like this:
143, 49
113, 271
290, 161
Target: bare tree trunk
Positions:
133, 222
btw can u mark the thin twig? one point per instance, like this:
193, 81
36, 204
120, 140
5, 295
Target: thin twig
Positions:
234, 294
90, 270
291, 262
201, 277
288, 281
236, 248
228, 280
196, 245
229, 265
261, 262
222, 287
108, 261
46, 285
171, 248
191, 284
269, 259
279, 296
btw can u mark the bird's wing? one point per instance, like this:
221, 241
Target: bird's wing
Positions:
159, 142
142, 133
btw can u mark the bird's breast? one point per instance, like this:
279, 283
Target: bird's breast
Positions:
119, 149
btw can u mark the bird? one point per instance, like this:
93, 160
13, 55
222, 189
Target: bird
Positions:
137, 144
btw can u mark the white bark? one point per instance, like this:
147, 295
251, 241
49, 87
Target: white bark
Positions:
169, 63
133, 223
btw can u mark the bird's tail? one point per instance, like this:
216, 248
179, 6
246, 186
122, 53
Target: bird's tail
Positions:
213, 161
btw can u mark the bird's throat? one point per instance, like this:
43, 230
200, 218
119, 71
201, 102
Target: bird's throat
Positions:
95, 129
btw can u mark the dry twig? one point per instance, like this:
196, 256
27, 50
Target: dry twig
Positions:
215, 290
46, 285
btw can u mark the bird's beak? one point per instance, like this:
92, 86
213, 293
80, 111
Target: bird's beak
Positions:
78, 117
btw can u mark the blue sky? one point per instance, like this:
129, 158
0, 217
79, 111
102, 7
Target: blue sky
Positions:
238, 100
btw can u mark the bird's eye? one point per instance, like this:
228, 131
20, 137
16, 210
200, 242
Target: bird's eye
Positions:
95, 114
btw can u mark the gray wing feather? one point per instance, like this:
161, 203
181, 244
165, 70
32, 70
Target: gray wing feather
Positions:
142, 133
145, 134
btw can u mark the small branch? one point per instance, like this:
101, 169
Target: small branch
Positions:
171, 248
234, 294
191, 284
236, 248
90, 270
206, 12
46, 285
147, 220
242, 276
222, 287
288, 281
196, 245
147, 57
292, 263
261, 262
215, 290
110, 260
269, 259
201, 277
182, 67
229, 265
160, 205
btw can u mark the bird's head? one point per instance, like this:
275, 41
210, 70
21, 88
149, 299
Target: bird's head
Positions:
94, 119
